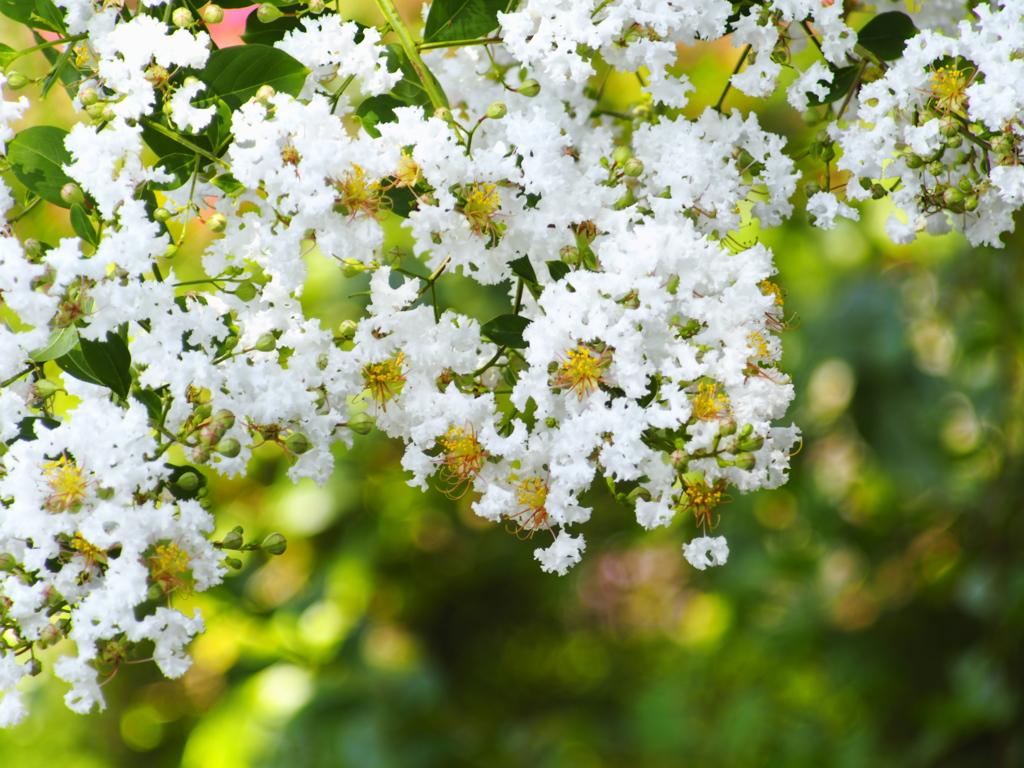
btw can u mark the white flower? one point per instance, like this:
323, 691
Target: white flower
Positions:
706, 551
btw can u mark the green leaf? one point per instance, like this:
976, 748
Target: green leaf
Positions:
60, 70
219, 129
82, 224
235, 74
403, 201
7, 55
461, 19
558, 269
107, 363
409, 91
228, 184
886, 35
61, 341
180, 165
258, 33
153, 402
506, 330
26, 428
37, 155
375, 110
842, 81
522, 267
48, 16
19, 10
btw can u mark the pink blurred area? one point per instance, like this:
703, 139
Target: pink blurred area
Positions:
229, 32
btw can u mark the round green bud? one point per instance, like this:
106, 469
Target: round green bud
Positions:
228, 448
161, 214
32, 248
16, 81
347, 330
361, 423
233, 563
913, 161
754, 443
265, 92
971, 203
745, 461
443, 113
297, 444
965, 184
267, 342
245, 291
955, 141
550, 422
45, 389
352, 267
936, 168
181, 18
570, 254
811, 116
621, 155
529, 88
203, 412
188, 482
949, 126
232, 540
71, 193
96, 111
170, 251
633, 167
317, 6
217, 222
727, 427
274, 544
952, 195
49, 635
744, 159
33, 667
878, 192
213, 14
865, 183
812, 187
268, 13
223, 419
1002, 144
497, 110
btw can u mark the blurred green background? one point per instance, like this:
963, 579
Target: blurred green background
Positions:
871, 614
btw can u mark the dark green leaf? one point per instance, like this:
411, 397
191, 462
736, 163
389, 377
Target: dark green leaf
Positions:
180, 165
154, 404
178, 488
107, 363
19, 10
409, 91
82, 225
842, 81
219, 129
506, 330
403, 201
558, 269
258, 33
48, 16
164, 145
61, 341
886, 35
522, 267
377, 109
461, 19
235, 74
26, 428
36, 156
61, 69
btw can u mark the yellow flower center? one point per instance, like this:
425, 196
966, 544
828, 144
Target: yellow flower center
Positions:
758, 346
532, 494
710, 404
768, 288
67, 483
168, 567
582, 370
463, 460
358, 193
482, 203
408, 172
948, 86
385, 379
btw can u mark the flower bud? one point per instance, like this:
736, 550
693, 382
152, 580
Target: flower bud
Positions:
754, 443
161, 214
233, 562
32, 248
267, 342
232, 540
347, 330
529, 88
188, 482
7, 562
297, 444
45, 389
170, 251
361, 423
16, 81
213, 14
217, 222
88, 97
570, 254
274, 544
952, 195
443, 113
352, 267
71, 194
936, 168
1002, 144
223, 420
971, 203
317, 6
265, 92
949, 126
727, 427
33, 667
228, 448
621, 155
268, 13
49, 635
497, 110
181, 18
955, 141
745, 461
96, 111
811, 187
633, 167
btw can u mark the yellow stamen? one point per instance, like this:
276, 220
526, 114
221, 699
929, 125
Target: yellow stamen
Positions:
532, 494
710, 404
582, 370
463, 460
385, 379
67, 483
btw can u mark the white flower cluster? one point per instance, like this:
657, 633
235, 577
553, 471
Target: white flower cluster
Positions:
639, 344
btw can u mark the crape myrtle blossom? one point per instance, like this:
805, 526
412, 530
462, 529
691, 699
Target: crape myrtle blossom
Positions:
639, 346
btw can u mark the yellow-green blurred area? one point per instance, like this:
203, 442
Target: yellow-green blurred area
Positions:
871, 613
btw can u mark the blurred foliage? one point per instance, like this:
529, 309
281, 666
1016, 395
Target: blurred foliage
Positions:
871, 614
